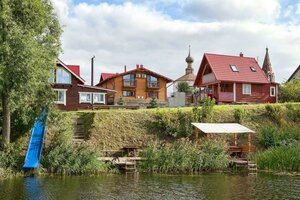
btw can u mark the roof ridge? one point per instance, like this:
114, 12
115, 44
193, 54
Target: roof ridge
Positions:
229, 55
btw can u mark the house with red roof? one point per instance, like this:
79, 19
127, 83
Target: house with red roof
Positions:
137, 86
71, 91
237, 79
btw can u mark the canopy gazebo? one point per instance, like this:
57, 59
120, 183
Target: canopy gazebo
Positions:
226, 128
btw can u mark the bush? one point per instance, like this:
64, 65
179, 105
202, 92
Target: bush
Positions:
12, 158
64, 157
121, 101
240, 115
275, 113
293, 112
284, 158
290, 91
207, 109
153, 103
185, 156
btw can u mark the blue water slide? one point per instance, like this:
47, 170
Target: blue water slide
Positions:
35, 146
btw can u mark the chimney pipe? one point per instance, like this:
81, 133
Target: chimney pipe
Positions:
125, 68
141, 66
92, 71
241, 54
137, 66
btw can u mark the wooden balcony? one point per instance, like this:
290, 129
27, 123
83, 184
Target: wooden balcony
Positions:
129, 83
208, 78
153, 84
226, 96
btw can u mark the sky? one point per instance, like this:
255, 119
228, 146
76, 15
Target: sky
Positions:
157, 33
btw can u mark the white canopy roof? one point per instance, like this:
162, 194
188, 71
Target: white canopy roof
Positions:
222, 128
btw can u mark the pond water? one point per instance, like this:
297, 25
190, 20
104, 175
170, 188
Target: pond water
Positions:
143, 186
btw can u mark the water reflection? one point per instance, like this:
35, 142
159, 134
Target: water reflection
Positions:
142, 186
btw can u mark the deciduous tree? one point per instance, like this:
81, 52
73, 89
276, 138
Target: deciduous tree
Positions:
29, 45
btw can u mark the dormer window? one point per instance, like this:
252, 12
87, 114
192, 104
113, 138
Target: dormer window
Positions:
253, 69
234, 68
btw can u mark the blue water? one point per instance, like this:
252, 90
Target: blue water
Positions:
143, 186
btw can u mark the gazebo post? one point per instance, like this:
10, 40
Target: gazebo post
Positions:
235, 139
197, 134
249, 142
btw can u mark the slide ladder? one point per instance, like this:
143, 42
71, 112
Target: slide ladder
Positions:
34, 150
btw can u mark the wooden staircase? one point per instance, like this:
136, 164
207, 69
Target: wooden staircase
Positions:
80, 134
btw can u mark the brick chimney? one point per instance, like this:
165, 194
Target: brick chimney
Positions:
141, 66
137, 66
241, 54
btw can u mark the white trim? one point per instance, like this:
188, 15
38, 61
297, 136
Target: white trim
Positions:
85, 93
234, 92
65, 96
98, 93
274, 89
243, 90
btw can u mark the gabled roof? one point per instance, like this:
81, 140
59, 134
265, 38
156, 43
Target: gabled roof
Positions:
69, 70
220, 65
187, 77
293, 74
75, 69
105, 76
141, 69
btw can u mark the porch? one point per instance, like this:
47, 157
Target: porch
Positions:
222, 92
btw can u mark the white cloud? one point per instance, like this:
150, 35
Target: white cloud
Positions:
263, 11
130, 34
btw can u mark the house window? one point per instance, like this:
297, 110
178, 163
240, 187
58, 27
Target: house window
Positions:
128, 93
234, 68
253, 69
152, 81
129, 80
62, 76
99, 97
85, 97
247, 89
152, 94
60, 96
272, 91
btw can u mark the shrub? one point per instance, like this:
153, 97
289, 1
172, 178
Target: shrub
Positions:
240, 115
269, 136
12, 157
275, 113
293, 112
289, 91
121, 101
153, 103
284, 158
207, 109
185, 156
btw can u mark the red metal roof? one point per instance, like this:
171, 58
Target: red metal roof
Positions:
168, 80
220, 65
75, 69
105, 76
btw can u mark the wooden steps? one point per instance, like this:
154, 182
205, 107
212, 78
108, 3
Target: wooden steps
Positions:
80, 134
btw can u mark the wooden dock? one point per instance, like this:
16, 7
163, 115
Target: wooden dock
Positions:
251, 165
126, 163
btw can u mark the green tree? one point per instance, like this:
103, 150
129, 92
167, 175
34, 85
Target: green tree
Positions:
121, 101
153, 103
290, 91
29, 45
183, 87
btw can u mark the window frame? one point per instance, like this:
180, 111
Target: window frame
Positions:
134, 93
244, 89
64, 102
65, 71
253, 69
274, 89
80, 101
234, 68
98, 93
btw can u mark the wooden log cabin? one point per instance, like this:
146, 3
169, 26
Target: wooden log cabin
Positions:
137, 86
237, 79
72, 93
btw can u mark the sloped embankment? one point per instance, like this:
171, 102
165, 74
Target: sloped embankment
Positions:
113, 129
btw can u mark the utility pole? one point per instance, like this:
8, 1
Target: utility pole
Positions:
92, 71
